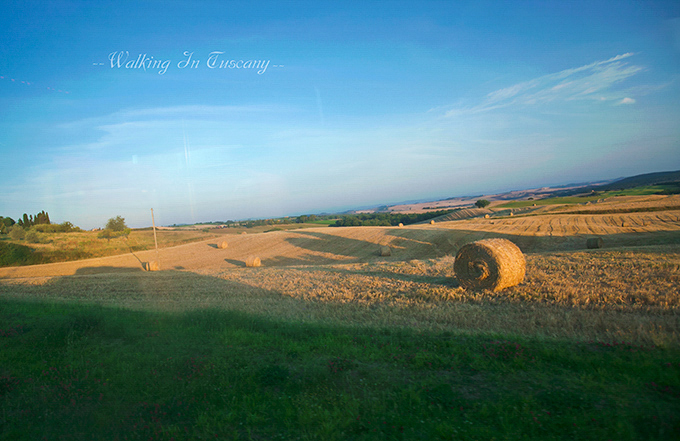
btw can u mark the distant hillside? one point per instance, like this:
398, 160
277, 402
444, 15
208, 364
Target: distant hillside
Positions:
646, 179
643, 180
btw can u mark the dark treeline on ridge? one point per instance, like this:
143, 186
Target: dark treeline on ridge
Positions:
386, 219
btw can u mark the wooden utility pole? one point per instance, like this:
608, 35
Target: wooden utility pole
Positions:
153, 222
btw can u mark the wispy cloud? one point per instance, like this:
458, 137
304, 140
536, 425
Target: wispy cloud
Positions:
590, 82
627, 100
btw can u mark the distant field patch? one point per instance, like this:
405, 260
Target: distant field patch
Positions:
665, 189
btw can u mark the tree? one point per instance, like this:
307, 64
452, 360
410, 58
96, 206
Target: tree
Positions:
116, 224
482, 203
5, 224
7, 221
67, 227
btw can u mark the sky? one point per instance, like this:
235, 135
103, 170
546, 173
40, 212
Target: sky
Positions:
220, 110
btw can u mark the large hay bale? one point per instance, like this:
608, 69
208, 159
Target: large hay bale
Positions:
486, 216
432, 222
400, 224
594, 242
152, 266
253, 261
222, 245
385, 251
489, 264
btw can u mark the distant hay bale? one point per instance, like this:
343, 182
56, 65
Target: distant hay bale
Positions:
486, 216
594, 242
400, 224
152, 266
243, 232
432, 222
512, 214
253, 261
624, 224
489, 264
222, 245
385, 251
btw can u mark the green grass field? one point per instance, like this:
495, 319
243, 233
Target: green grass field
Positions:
76, 371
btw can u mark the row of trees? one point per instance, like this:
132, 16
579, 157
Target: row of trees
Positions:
386, 219
41, 218
28, 226
26, 221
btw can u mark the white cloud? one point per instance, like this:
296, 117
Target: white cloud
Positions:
590, 82
627, 100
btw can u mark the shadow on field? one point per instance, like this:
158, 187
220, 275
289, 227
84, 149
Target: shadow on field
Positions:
447, 241
308, 260
105, 270
338, 245
447, 281
133, 288
239, 263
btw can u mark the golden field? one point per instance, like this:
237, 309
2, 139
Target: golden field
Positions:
629, 290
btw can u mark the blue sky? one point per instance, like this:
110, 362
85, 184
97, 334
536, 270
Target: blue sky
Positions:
359, 103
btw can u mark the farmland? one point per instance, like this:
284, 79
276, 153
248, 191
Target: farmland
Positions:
330, 340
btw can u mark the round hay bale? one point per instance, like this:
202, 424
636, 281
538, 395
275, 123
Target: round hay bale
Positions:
243, 232
486, 216
432, 222
400, 224
489, 264
222, 245
385, 251
512, 214
253, 261
594, 242
152, 266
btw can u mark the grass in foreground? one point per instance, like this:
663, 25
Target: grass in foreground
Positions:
71, 371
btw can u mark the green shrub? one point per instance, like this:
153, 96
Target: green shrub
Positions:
32, 236
109, 234
15, 254
64, 227
16, 232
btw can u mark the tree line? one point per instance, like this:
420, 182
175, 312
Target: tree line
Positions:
386, 219
33, 223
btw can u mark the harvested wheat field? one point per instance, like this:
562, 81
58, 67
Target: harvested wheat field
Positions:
628, 289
